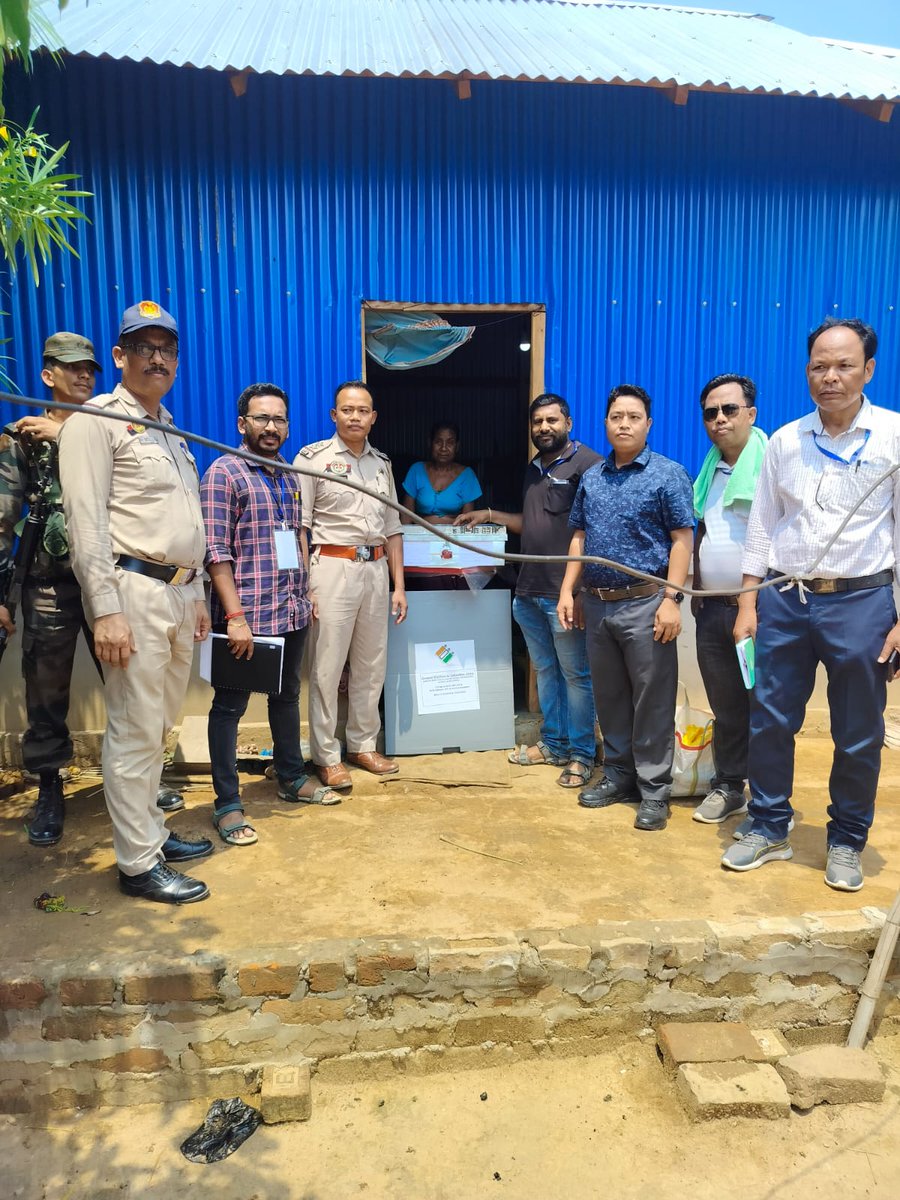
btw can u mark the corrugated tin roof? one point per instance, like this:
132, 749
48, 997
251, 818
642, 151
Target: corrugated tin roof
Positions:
532, 40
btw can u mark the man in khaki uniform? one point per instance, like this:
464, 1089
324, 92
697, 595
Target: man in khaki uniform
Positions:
356, 542
132, 505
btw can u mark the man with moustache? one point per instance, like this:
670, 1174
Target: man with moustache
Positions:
132, 504
357, 544
559, 655
257, 558
52, 614
816, 470
635, 508
723, 492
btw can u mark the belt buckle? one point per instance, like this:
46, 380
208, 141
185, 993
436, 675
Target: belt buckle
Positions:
182, 575
363, 553
825, 587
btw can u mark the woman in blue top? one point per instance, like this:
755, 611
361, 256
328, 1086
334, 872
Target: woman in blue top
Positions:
442, 488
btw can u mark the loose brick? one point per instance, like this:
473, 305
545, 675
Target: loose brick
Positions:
85, 990
285, 1094
831, 1075
732, 1089
139, 1059
772, 1044
200, 983
707, 1042
27, 992
273, 979
85, 1027
327, 976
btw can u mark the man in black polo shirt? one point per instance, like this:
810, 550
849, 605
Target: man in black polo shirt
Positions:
559, 655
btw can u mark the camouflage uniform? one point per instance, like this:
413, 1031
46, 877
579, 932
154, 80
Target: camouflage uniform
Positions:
51, 610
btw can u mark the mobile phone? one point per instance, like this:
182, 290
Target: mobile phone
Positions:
893, 663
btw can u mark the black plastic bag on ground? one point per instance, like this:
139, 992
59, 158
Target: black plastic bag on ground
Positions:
226, 1126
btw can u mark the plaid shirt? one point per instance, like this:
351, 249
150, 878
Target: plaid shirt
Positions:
241, 513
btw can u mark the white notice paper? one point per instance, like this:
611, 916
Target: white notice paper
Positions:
446, 677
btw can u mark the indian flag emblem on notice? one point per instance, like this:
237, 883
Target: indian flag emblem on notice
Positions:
444, 653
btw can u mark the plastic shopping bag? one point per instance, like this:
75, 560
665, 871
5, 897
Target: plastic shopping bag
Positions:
692, 766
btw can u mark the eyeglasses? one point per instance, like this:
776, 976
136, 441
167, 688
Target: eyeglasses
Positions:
727, 410
261, 420
147, 350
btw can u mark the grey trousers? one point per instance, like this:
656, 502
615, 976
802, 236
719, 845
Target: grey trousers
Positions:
635, 681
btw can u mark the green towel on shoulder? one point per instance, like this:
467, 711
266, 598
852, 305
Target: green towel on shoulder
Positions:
744, 475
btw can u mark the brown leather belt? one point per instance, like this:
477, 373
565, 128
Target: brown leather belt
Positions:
354, 553
165, 572
626, 593
825, 587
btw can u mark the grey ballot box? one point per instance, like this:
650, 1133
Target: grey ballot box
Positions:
448, 617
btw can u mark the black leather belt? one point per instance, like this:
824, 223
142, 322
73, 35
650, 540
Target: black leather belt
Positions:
731, 601
177, 576
825, 587
625, 593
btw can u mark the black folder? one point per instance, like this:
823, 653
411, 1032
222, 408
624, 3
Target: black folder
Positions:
261, 673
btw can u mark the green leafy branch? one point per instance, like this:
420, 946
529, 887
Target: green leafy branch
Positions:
36, 212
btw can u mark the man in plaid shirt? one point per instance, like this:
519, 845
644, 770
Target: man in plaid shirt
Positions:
257, 558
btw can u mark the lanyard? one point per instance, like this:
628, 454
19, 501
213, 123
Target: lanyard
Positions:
545, 471
848, 462
277, 499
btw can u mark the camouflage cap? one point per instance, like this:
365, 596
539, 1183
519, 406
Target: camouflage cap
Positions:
143, 315
70, 348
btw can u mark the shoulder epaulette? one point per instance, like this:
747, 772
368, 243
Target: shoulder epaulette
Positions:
380, 453
315, 447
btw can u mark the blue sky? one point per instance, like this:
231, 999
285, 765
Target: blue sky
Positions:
876, 21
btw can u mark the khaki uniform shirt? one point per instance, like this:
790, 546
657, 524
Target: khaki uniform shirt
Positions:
129, 490
340, 516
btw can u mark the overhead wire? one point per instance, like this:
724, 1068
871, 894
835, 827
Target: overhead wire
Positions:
442, 530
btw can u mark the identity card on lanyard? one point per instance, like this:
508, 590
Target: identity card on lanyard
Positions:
286, 553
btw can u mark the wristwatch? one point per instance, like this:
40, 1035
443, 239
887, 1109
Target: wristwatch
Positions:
678, 597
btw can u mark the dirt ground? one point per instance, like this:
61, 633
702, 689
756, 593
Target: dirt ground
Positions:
571, 1129
417, 859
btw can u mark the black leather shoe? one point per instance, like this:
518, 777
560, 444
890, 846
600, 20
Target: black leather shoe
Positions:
44, 825
169, 800
604, 793
178, 849
653, 814
165, 885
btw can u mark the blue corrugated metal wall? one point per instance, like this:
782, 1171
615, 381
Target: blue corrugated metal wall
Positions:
667, 243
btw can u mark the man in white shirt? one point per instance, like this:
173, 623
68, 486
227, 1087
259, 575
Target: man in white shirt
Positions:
723, 493
838, 608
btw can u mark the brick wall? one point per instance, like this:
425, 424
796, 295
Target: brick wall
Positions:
85, 1034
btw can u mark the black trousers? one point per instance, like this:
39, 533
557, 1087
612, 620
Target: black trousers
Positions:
635, 681
52, 617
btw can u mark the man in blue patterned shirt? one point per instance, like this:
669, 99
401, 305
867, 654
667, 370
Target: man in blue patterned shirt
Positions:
636, 508
257, 558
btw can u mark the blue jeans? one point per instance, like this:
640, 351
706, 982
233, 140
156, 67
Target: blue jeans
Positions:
845, 631
284, 721
563, 679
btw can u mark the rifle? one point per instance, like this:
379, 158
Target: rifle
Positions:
29, 541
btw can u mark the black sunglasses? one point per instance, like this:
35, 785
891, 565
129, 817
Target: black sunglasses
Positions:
727, 410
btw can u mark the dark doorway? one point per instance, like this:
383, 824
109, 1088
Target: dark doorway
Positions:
484, 386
